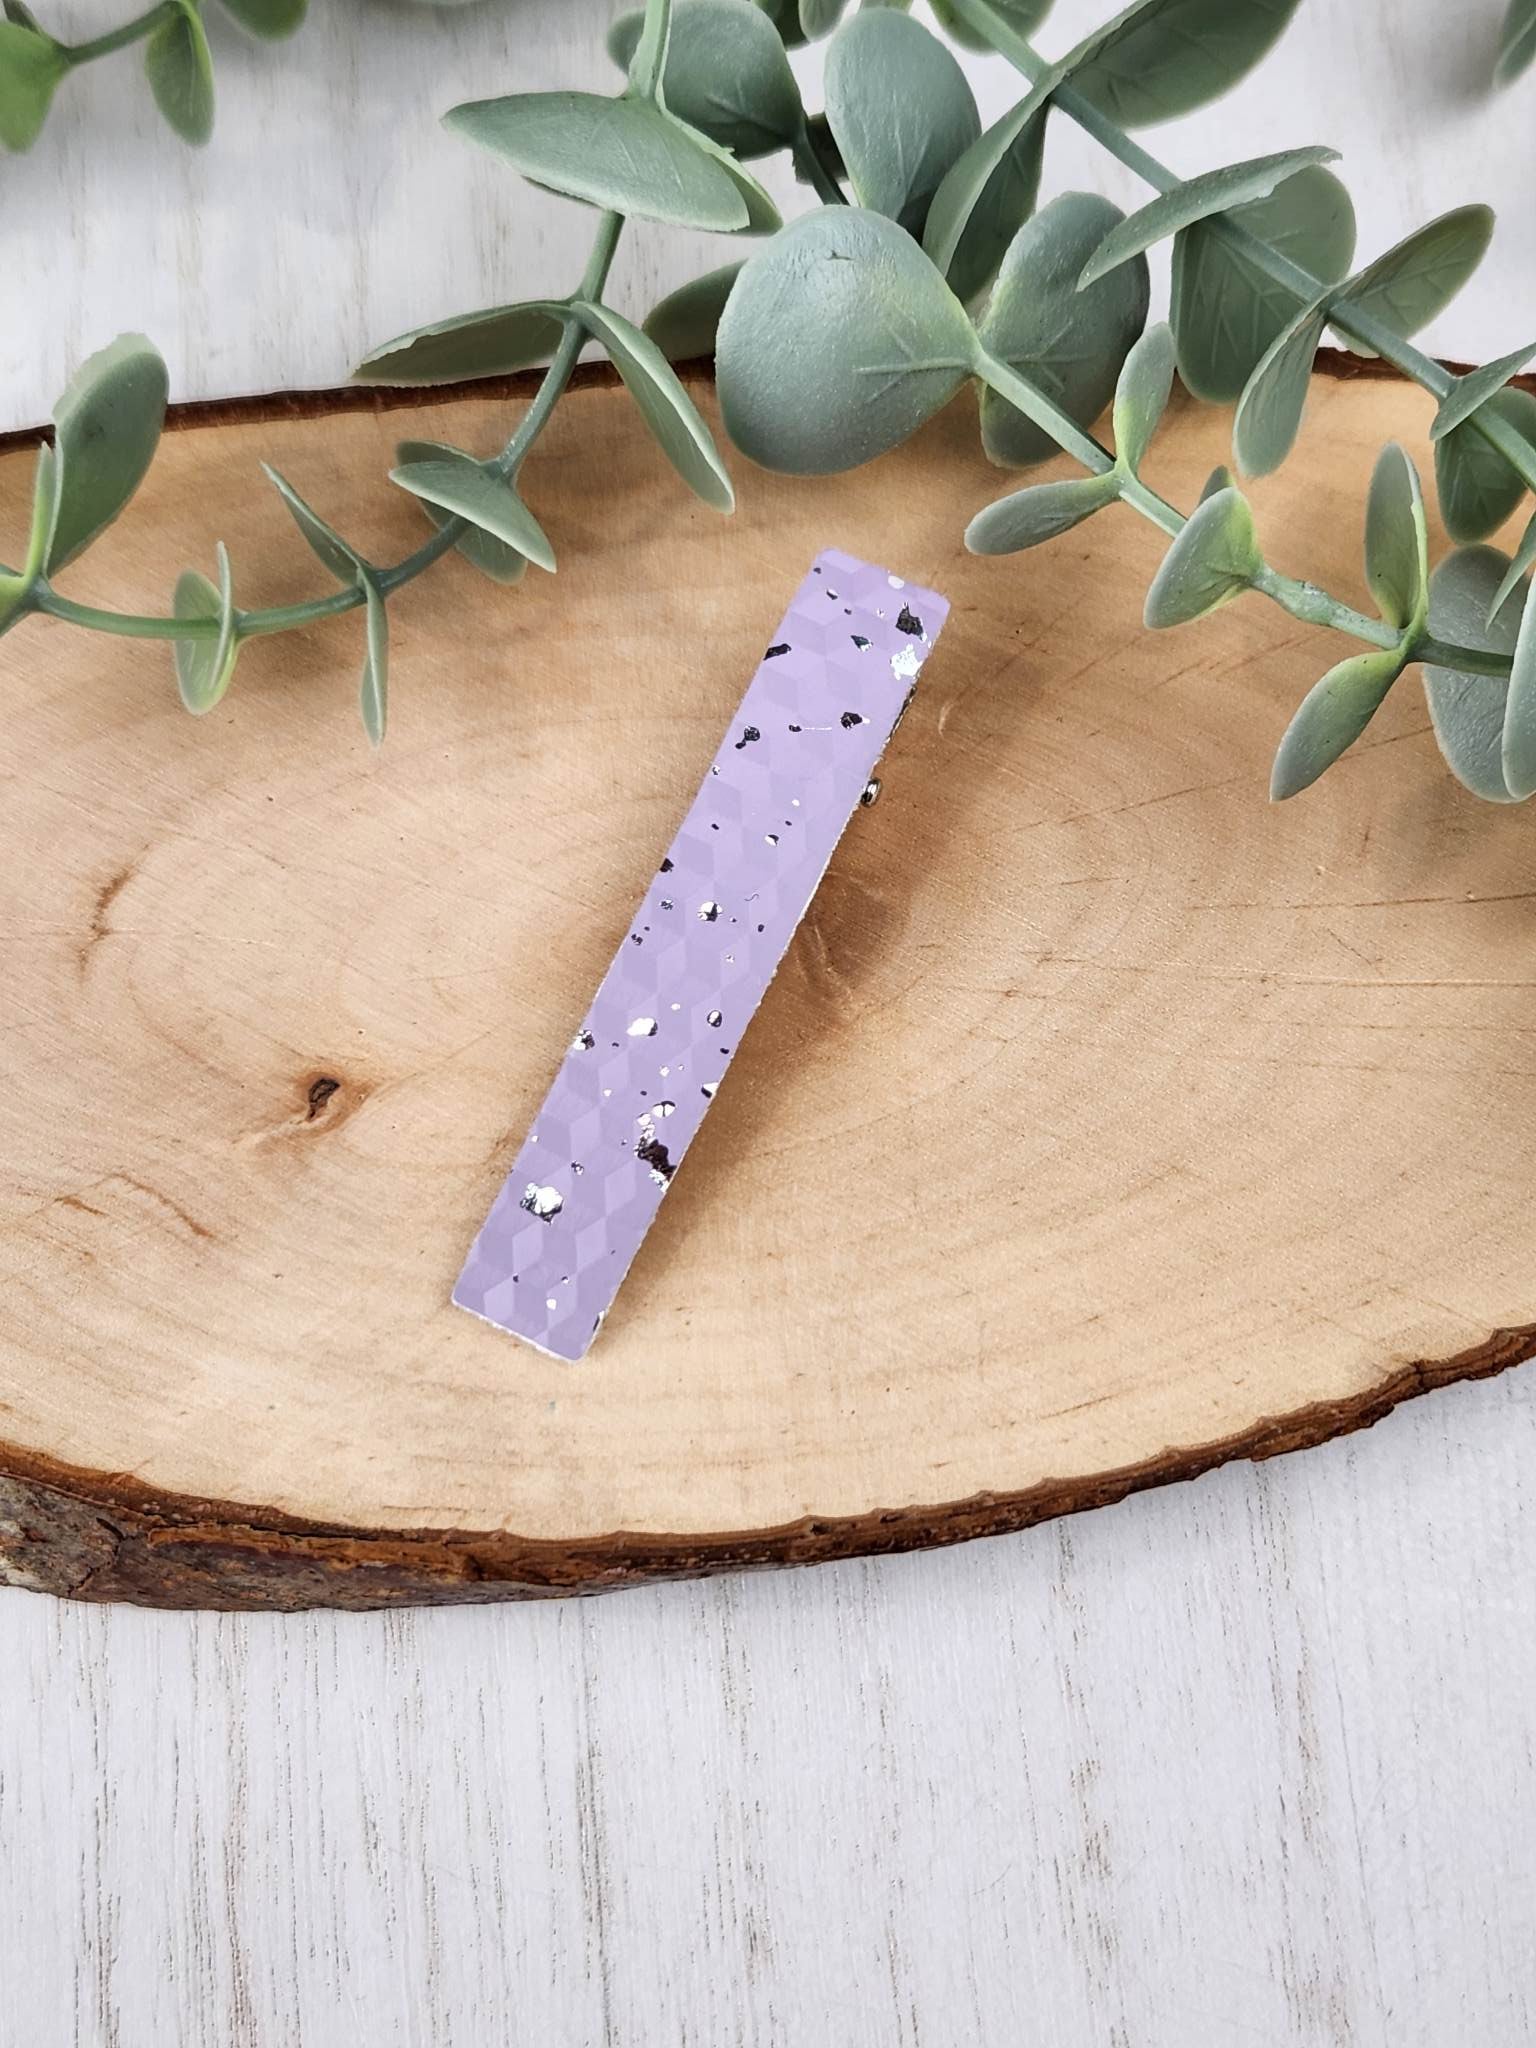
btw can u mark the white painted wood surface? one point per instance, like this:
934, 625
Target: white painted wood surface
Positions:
331, 211
1249, 1761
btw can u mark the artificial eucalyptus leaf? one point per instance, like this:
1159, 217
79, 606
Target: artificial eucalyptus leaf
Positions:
1397, 541
665, 406
763, 216
488, 344
16, 589
1141, 395
1269, 412
726, 73
271, 19
490, 556
819, 17
1160, 58
31, 65
1022, 16
106, 429
1039, 513
1468, 709
456, 482
987, 194
1517, 41
343, 560
47, 490
1220, 479
1196, 199
204, 667
1518, 747
1213, 559
1067, 342
1224, 308
1477, 487
839, 340
1471, 391
1420, 276
1331, 717
179, 68
373, 690
1519, 568
625, 154
900, 110
785, 16
684, 323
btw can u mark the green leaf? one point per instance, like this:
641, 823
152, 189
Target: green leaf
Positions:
987, 194
1141, 396
1331, 717
456, 482
666, 407
684, 323
785, 16
1517, 757
1224, 309
1039, 513
623, 154
818, 17
1196, 199
1517, 41
271, 19
839, 340
16, 589
107, 427
1069, 343
1022, 16
1420, 276
204, 667
1478, 489
339, 556
31, 65
490, 556
180, 72
1160, 58
1220, 479
1275, 396
1397, 541
22, 15
763, 217
488, 344
1525, 555
1468, 710
726, 74
900, 111
1212, 560
358, 573
1471, 391
373, 692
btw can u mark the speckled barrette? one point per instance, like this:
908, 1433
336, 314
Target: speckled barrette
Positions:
709, 934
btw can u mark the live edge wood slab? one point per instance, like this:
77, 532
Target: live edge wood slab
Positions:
1104, 1121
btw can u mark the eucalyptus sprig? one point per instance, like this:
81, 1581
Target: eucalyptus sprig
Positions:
925, 268
177, 61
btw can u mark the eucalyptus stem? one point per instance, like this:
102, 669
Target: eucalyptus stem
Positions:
1361, 327
1305, 601
285, 618
133, 31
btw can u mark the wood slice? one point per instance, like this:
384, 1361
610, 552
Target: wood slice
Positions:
1104, 1122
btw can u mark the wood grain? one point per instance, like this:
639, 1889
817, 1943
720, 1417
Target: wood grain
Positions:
1103, 1123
